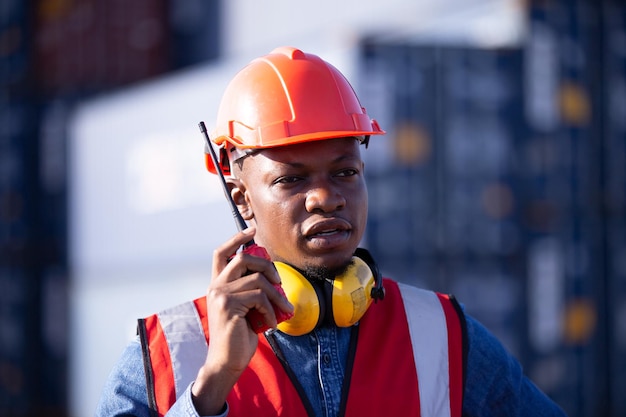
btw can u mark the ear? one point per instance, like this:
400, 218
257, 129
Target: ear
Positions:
237, 190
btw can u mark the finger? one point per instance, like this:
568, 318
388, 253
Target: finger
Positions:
239, 303
260, 319
242, 265
265, 314
279, 300
281, 307
223, 253
257, 281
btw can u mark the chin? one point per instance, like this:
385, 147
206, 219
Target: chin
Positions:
334, 260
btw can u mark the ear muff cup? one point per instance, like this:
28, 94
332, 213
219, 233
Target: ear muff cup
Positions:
351, 293
307, 299
342, 301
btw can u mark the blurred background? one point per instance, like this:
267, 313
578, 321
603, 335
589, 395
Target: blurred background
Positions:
502, 178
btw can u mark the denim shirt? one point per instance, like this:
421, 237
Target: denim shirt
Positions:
495, 383
318, 360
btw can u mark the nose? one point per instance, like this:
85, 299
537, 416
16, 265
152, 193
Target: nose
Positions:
325, 198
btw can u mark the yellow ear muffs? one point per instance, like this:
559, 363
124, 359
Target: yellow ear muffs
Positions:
352, 293
345, 299
305, 298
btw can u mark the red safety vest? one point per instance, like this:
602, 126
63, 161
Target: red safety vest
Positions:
409, 360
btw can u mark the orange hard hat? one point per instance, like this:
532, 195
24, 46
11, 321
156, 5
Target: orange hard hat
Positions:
284, 98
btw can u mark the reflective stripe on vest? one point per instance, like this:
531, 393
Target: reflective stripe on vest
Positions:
437, 350
429, 383
186, 342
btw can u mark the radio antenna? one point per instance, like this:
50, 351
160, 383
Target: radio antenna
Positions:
239, 220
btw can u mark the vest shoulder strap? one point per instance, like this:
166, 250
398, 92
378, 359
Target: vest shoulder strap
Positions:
174, 348
437, 325
409, 353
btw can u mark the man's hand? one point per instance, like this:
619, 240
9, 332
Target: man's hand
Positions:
239, 284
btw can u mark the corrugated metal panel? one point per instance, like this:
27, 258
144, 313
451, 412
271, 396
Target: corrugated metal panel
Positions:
52, 53
503, 181
442, 210
87, 46
563, 90
19, 359
614, 102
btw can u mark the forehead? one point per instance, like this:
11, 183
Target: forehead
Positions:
315, 153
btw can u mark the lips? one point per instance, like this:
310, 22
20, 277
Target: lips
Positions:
327, 228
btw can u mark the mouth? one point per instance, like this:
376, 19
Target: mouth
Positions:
328, 233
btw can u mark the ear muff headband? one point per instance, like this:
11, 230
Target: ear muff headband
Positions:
347, 299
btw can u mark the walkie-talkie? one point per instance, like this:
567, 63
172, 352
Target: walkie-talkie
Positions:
254, 317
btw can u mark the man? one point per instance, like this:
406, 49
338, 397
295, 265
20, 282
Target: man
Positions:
289, 130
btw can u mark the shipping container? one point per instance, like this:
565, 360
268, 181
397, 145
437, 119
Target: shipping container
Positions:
503, 181
614, 176
443, 183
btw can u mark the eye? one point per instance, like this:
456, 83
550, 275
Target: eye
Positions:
287, 179
348, 172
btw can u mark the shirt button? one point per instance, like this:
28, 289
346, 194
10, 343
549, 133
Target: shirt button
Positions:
326, 358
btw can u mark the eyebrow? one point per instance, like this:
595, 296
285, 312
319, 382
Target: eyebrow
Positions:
339, 159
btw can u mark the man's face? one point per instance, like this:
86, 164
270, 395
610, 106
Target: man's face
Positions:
308, 201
